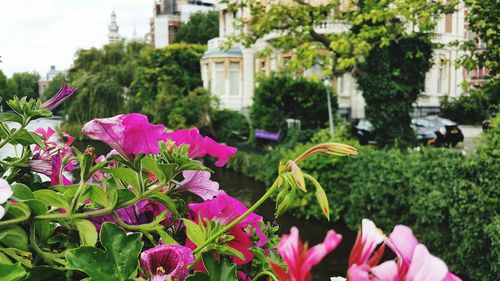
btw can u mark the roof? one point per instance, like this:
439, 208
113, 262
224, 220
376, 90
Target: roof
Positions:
218, 53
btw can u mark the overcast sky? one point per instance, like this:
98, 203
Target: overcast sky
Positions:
35, 34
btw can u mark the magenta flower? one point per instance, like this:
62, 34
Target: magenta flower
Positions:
200, 146
224, 209
199, 183
5, 194
166, 262
299, 259
142, 212
63, 94
128, 134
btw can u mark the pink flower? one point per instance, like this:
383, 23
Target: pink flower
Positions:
363, 251
166, 262
413, 263
63, 94
200, 146
5, 194
224, 209
199, 183
299, 259
142, 212
50, 160
128, 134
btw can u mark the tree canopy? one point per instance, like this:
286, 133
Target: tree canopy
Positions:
483, 17
343, 36
282, 96
200, 28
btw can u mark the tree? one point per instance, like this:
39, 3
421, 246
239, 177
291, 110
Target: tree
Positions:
200, 28
282, 96
360, 27
484, 50
177, 64
103, 78
394, 78
26, 84
5, 92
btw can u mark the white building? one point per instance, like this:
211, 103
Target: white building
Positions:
43, 83
168, 14
113, 35
231, 75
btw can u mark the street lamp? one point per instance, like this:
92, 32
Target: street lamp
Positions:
328, 84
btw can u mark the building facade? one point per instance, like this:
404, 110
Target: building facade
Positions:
44, 81
168, 15
230, 75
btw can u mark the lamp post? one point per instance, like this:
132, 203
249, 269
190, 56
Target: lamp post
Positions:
328, 84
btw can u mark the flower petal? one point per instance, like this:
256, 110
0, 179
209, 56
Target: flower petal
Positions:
426, 267
199, 183
5, 191
403, 242
140, 135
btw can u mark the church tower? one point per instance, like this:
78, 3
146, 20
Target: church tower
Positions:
113, 35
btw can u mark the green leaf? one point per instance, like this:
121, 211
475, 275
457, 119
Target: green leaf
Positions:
52, 198
10, 116
198, 276
166, 201
45, 273
12, 272
127, 175
168, 170
167, 239
124, 195
18, 211
194, 232
96, 195
229, 251
149, 164
14, 237
21, 192
223, 271
118, 262
87, 232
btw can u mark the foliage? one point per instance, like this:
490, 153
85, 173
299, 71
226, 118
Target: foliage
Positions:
230, 126
450, 200
484, 49
392, 80
103, 78
200, 28
363, 31
281, 96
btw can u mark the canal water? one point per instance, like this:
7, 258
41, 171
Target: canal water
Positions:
249, 191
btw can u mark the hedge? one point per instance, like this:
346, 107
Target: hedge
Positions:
449, 199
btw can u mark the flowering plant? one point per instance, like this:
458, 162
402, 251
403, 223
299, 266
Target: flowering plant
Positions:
148, 210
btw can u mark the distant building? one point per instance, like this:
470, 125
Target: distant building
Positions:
230, 74
168, 15
113, 35
43, 83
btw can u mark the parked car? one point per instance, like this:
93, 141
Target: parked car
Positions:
431, 130
437, 131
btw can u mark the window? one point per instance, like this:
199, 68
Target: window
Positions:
442, 75
219, 82
234, 79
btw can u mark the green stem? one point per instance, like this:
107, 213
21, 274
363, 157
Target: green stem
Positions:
239, 219
263, 273
48, 257
17, 131
78, 194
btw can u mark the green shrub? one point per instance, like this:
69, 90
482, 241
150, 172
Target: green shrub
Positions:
475, 107
450, 200
230, 126
282, 96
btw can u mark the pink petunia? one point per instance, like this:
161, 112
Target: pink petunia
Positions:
200, 146
128, 134
167, 262
199, 183
224, 209
63, 94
